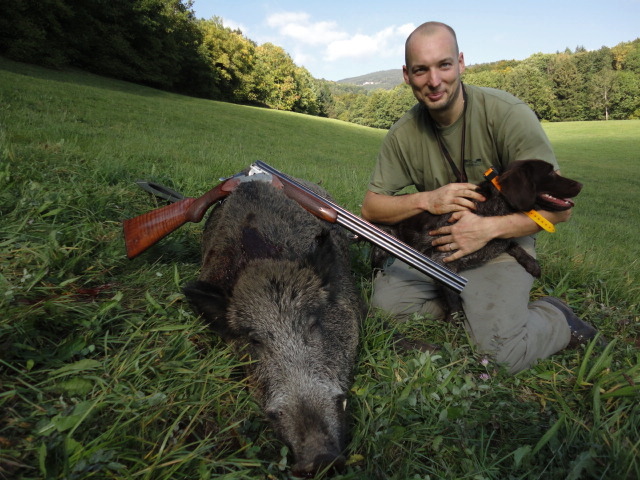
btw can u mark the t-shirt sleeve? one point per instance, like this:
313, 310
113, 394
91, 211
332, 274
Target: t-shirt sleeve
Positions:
523, 137
390, 174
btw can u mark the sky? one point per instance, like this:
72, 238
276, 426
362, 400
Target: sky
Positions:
343, 39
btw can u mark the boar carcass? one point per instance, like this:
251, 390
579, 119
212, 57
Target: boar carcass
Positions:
276, 282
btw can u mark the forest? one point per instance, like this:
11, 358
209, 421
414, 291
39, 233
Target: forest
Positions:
161, 43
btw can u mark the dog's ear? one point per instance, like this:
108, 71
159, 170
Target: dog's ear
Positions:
519, 182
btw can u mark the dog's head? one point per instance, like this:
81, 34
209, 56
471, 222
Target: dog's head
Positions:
534, 183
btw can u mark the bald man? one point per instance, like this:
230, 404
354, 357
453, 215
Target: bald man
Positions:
442, 146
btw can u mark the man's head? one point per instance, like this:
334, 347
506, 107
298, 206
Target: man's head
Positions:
433, 66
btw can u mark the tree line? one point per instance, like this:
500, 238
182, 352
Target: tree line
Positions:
159, 43
565, 86
162, 44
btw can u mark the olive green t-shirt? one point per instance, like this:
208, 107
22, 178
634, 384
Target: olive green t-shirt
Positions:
500, 129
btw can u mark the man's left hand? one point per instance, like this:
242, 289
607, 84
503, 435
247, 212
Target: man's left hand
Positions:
468, 233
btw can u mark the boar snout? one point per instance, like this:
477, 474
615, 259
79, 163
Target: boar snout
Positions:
330, 462
314, 427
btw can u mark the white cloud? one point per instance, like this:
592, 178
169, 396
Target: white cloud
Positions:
388, 42
301, 58
235, 26
325, 45
297, 25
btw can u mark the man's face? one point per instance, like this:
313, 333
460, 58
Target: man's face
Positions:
433, 70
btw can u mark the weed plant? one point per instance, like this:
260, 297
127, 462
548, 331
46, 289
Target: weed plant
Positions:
106, 373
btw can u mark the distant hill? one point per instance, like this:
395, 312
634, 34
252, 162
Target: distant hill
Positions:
385, 79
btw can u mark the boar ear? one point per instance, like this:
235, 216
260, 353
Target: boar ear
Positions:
211, 303
322, 258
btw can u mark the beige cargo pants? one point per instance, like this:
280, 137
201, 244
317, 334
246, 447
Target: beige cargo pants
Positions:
499, 317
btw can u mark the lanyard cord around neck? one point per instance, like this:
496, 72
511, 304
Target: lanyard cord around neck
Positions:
460, 174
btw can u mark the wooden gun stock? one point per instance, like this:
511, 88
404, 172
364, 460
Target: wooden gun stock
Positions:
143, 231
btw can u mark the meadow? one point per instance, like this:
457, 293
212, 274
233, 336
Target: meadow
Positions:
106, 373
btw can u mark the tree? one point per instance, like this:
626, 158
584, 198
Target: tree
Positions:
385, 107
601, 86
326, 101
590, 63
35, 31
568, 87
306, 93
152, 42
485, 78
632, 59
232, 59
274, 77
619, 53
625, 96
533, 87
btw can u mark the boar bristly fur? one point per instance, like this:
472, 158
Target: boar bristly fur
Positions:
276, 283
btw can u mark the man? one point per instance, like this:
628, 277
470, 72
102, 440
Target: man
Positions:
442, 146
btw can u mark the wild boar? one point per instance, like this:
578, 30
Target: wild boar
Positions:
276, 282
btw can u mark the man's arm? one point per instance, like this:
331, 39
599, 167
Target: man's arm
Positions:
454, 197
469, 232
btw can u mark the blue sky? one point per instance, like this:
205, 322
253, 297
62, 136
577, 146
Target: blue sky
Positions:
342, 39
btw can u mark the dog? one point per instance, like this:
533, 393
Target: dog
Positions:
524, 185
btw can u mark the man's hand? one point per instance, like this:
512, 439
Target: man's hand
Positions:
467, 234
392, 209
453, 197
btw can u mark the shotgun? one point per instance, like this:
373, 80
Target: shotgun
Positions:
145, 230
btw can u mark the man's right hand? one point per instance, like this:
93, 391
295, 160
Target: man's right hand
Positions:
389, 209
453, 197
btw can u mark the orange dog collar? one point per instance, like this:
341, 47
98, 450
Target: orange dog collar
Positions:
545, 224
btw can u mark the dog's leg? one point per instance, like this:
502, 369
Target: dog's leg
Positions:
529, 263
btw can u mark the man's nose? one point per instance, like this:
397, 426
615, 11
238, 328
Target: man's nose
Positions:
433, 79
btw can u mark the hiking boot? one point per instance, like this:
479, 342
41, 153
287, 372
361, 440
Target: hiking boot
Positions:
581, 331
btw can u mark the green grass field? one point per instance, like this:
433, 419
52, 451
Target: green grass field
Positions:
106, 373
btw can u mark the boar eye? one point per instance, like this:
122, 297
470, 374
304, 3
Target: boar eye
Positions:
275, 415
314, 323
254, 339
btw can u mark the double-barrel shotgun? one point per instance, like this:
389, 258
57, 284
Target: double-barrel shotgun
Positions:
143, 231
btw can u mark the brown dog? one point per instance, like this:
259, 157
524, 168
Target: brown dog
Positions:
525, 185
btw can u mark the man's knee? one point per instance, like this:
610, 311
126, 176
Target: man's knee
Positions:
403, 308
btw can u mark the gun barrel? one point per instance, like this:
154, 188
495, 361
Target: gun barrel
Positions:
378, 237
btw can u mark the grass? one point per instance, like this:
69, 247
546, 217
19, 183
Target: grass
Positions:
106, 373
